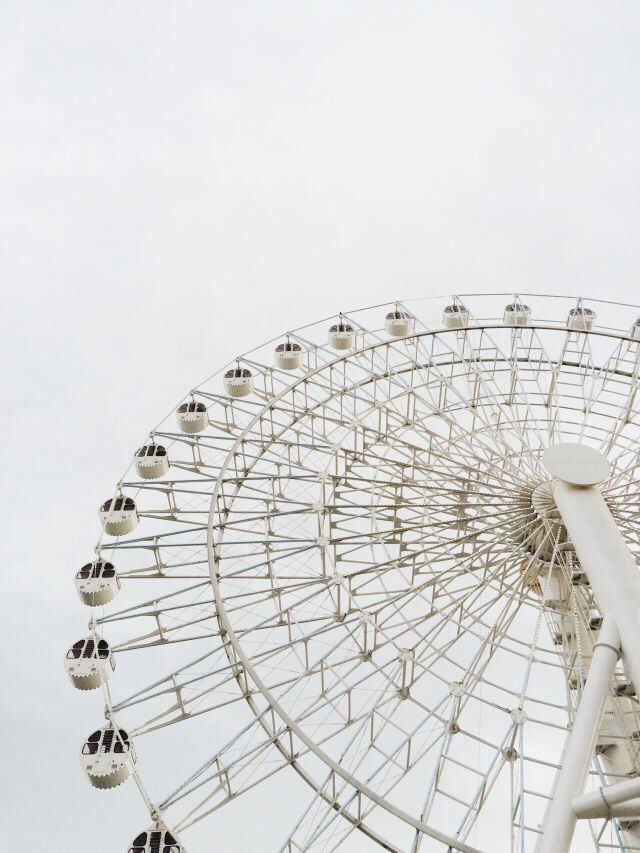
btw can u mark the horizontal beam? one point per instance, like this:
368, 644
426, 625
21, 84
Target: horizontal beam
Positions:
626, 811
605, 799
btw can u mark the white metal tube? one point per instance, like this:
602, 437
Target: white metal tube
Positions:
608, 562
611, 795
560, 819
627, 811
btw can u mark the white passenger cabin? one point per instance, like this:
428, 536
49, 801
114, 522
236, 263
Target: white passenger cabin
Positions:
156, 839
342, 336
119, 515
238, 382
516, 314
192, 416
89, 663
581, 319
108, 757
97, 583
151, 461
455, 316
398, 324
288, 356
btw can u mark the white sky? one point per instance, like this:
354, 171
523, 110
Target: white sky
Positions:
179, 181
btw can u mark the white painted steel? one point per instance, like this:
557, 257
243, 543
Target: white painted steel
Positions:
560, 818
627, 812
586, 805
610, 566
292, 726
358, 576
576, 464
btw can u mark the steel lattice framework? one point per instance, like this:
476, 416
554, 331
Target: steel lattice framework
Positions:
360, 564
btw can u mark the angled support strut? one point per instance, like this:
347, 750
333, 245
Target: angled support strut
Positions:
615, 581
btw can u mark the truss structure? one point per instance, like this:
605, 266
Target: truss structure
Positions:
357, 575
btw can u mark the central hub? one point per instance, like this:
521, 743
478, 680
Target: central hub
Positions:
547, 532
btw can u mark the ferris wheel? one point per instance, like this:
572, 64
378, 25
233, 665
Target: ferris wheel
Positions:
394, 555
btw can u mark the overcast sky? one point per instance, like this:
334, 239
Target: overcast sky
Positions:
181, 180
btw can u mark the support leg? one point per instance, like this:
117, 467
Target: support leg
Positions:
560, 819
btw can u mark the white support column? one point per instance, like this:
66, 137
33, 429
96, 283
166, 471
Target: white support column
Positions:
560, 819
610, 566
615, 582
